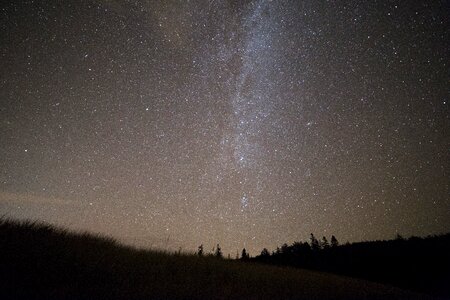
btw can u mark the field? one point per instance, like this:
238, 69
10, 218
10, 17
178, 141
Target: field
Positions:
38, 261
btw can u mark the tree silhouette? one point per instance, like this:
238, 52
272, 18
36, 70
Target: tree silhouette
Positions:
315, 245
399, 237
299, 248
386, 261
200, 250
296, 247
285, 248
244, 255
218, 252
334, 241
265, 252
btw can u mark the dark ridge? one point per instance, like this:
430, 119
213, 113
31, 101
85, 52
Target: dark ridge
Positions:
416, 264
39, 261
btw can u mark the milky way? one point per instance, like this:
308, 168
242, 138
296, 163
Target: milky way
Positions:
246, 123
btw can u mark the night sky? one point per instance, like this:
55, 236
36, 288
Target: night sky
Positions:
246, 123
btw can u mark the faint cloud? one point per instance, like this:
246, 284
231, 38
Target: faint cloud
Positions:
24, 199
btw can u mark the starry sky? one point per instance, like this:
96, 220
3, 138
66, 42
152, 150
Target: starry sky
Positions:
172, 124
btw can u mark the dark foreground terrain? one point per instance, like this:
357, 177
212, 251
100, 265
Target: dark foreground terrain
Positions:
416, 264
38, 261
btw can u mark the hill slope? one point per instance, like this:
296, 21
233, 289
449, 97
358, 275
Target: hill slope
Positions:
400, 262
38, 261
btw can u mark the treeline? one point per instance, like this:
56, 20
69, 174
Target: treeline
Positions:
39, 261
420, 264
217, 253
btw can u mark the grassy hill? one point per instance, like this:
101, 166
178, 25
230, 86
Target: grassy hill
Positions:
38, 261
416, 264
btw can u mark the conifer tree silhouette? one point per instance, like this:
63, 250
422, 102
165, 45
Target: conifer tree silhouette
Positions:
265, 252
218, 252
315, 245
244, 255
334, 241
324, 243
200, 250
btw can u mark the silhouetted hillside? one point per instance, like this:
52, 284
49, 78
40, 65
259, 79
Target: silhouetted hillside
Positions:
418, 264
40, 262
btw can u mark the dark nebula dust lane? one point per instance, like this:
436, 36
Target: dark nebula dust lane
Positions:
246, 123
